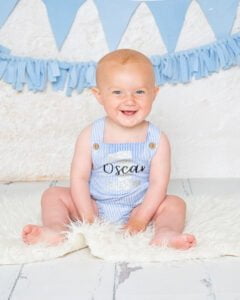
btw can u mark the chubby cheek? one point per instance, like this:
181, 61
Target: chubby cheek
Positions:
111, 109
146, 109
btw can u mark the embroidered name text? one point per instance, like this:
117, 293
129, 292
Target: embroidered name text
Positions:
122, 170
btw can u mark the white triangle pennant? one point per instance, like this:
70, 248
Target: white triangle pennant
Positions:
169, 16
61, 15
115, 16
220, 15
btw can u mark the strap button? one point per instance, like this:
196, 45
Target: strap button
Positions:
152, 146
96, 146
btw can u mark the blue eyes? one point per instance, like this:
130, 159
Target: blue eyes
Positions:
139, 92
123, 93
117, 92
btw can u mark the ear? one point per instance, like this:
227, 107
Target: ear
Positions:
97, 94
157, 88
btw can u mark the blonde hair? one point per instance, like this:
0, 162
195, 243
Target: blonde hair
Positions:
122, 57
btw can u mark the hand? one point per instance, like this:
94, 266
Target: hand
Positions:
89, 219
134, 226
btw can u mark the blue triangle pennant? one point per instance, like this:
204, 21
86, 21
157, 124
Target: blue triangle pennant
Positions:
61, 15
169, 16
220, 15
6, 7
115, 16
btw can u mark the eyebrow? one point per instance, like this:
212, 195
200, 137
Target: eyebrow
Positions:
118, 88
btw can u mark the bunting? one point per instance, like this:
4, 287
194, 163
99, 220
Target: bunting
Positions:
115, 16
169, 16
61, 15
220, 15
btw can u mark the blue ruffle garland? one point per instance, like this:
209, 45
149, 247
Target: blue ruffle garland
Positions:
183, 66
36, 73
179, 67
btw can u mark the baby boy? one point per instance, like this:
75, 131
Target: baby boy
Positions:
121, 166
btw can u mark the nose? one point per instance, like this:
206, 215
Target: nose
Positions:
129, 98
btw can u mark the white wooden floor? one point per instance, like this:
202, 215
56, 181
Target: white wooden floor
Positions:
78, 276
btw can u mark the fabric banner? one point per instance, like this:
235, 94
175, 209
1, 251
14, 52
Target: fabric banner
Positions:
220, 15
6, 7
177, 67
61, 15
169, 16
115, 16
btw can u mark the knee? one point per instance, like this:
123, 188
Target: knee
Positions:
49, 193
175, 203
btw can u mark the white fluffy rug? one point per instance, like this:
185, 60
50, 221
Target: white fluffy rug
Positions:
215, 221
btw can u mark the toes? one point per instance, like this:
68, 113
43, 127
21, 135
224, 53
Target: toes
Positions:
30, 233
189, 237
190, 240
33, 234
194, 242
27, 229
183, 241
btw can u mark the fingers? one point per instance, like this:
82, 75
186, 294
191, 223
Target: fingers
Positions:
134, 227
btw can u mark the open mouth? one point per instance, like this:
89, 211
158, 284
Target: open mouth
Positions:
128, 112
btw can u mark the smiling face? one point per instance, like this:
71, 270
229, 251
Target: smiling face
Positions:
126, 91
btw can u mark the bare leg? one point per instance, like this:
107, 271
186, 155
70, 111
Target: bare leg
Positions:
169, 223
58, 210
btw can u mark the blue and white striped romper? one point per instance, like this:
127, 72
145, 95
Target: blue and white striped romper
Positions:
120, 172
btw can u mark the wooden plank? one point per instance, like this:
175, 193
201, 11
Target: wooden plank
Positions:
69, 277
179, 187
21, 189
228, 296
10, 274
221, 274
224, 273
162, 281
4, 187
157, 296
214, 186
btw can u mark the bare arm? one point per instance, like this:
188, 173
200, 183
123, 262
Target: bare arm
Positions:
157, 190
80, 175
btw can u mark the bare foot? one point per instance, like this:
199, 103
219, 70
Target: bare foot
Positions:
175, 240
33, 234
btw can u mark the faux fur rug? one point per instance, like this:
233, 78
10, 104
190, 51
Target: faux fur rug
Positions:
215, 221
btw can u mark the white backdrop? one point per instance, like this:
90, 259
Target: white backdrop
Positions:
38, 131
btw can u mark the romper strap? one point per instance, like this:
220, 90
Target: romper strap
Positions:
153, 138
98, 131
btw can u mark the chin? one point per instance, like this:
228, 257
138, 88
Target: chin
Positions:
130, 123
